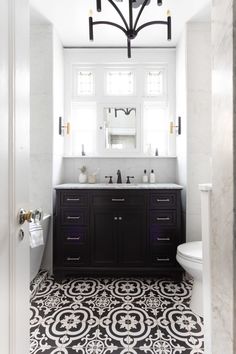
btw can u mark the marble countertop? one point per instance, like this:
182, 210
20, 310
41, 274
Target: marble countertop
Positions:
119, 186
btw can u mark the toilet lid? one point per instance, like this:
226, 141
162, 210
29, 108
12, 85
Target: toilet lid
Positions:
191, 251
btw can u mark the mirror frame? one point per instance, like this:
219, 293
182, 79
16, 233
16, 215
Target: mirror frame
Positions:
101, 131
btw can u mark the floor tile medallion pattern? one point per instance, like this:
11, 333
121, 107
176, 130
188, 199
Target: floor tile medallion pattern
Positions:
125, 316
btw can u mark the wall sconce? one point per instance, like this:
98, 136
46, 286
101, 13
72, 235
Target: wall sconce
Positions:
172, 126
66, 126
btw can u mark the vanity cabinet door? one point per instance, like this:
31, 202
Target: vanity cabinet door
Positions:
104, 238
132, 238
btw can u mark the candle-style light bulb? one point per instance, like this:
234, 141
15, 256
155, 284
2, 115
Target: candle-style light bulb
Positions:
168, 25
90, 25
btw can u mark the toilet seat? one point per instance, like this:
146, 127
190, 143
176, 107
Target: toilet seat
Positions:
191, 251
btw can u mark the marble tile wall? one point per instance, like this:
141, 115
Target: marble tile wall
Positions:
194, 107
164, 168
46, 105
40, 116
223, 164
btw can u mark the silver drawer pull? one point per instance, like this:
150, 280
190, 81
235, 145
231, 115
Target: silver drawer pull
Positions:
73, 217
73, 199
163, 238
73, 238
70, 259
162, 259
163, 219
118, 200
163, 200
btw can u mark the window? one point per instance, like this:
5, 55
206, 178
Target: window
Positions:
83, 127
120, 82
96, 91
155, 83
84, 83
155, 128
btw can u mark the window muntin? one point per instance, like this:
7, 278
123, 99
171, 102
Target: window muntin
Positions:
119, 82
84, 83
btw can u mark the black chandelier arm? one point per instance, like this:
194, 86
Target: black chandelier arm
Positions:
128, 48
110, 24
119, 12
149, 24
140, 13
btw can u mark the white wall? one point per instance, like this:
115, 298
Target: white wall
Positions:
165, 168
194, 106
46, 105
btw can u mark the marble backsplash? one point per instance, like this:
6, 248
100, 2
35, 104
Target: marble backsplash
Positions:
164, 168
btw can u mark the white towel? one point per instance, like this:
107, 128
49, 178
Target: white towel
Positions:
36, 234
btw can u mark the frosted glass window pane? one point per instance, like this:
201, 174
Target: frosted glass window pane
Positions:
155, 83
85, 83
120, 82
83, 128
155, 129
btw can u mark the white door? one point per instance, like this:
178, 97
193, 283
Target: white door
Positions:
14, 165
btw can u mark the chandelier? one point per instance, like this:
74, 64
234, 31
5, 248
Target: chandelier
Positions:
130, 28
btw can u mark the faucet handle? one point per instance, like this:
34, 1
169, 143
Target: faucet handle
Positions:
110, 179
128, 179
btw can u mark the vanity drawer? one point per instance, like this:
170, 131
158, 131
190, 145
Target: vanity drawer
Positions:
74, 235
162, 236
74, 216
118, 198
163, 217
75, 256
163, 256
162, 200
70, 198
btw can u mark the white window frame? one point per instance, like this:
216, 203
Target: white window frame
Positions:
140, 67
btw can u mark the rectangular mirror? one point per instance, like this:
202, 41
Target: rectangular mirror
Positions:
120, 125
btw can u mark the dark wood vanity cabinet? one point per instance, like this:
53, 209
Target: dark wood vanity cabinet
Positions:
117, 231
118, 235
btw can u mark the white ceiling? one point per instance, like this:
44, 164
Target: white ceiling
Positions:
70, 18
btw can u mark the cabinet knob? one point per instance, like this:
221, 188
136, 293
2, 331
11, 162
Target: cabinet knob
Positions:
115, 218
120, 218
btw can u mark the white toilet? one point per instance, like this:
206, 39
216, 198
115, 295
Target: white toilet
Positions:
189, 256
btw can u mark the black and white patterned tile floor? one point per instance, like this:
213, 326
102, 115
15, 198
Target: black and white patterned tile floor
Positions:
118, 316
